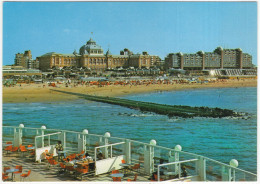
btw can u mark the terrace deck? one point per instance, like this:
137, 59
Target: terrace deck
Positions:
41, 172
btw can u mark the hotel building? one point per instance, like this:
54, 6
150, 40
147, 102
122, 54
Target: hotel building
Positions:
91, 56
218, 59
25, 60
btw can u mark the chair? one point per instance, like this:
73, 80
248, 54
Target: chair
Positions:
62, 169
116, 178
136, 167
70, 169
20, 169
123, 161
81, 153
32, 153
14, 149
134, 178
4, 177
48, 157
29, 146
81, 171
23, 176
5, 169
8, 148
156, 178
52, 162
67, 159
115, 171
72, 156
23, 149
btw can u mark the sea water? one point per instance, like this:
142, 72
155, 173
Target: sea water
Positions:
220, 139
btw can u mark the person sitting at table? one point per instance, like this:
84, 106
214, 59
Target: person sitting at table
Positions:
184, 173
162, 169
100, 156
87, 155
59, 148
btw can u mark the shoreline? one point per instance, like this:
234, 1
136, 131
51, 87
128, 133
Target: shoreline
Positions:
30, 93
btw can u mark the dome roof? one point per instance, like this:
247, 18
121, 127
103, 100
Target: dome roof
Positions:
91, 42
91, 48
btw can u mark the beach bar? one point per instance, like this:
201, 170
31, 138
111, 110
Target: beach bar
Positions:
120, 157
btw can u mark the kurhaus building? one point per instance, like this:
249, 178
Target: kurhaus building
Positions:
218, 59
91, 56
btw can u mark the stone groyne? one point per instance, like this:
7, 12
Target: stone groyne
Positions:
163, 109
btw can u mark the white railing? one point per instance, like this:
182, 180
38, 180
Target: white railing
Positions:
189, 157
42, 136
106, 146
174, 163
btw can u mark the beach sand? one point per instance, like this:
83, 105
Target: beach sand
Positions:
28, 93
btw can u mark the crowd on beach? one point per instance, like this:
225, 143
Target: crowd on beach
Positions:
123, 82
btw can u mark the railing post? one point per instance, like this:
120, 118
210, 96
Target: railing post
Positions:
177, 149
111, 151
49, 140
42, 129
18, 136
127, 151
106, 136
229, 174
158, 173
233, 163
224, 173
84, 139
171, 159
151, 155
201, 168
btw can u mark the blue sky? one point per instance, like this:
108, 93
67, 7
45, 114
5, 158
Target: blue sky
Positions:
157, 27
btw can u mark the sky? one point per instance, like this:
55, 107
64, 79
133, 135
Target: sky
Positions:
159, 28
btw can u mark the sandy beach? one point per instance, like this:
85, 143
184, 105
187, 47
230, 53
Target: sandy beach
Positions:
28, 93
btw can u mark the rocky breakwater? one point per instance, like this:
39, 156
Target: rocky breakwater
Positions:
169, 110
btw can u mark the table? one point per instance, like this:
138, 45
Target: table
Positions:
12, 171
117, 175
6, 145
62, 151
169, 173
31, 148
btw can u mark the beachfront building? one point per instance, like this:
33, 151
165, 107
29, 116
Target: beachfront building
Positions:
25, 60
218, 59
91, 56
18, 72
56, 60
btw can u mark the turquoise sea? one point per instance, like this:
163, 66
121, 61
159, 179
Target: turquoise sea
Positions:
219, 139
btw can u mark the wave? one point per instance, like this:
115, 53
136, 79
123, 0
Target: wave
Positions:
100, 106
142, 115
